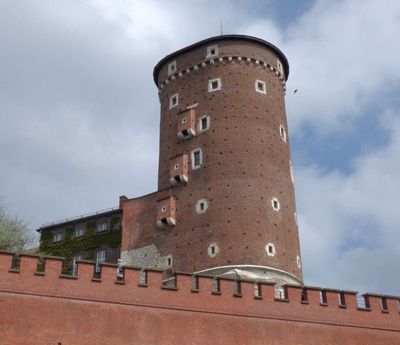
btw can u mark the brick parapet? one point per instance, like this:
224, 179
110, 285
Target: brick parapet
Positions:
228, 301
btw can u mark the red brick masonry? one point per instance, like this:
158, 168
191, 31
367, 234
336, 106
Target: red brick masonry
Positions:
49, 309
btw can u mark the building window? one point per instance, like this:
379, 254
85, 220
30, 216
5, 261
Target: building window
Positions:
282, 133
169, 261
58, 237
270, 249
197, 158
261, 86
295, 218
279, 66
201, 206
172, 67
75, 264
102, 226
100, 258
163, 208
212, 50
176, 166
298, 261
214, 85
79, 231
275, 204
291, 171
173, 101
204, 123
184, 120
213, 250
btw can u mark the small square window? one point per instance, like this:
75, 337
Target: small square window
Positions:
197, 158
184, 120
282, 133
58, 237
103, 226
201, 206
214, 85
172, 67
79, 231
261, 86
204, 123
275, 204
173, 101
163, 208
270, 249
176, 166
212, 250
212, 50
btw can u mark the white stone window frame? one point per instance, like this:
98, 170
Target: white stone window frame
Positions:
263, 84
279, 66
282, 133
211, 87
200, 123
213, 250
270, 249
172, 67
298, 261
79, 231
172, 103
194, 167
176, 166
212, 51
199, 208
58, 236
291, 171
184, 120
276, 206
295, 218
163, 208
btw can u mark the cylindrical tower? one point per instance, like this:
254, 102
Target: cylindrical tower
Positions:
224, 154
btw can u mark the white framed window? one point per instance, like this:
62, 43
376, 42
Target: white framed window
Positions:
212, 250
261, 86
197, 158
279, 66
275, 204
168, 261
79, 231
291, 171
270, 249
184, 120
298, 261
172, 67
204, 123
176, 166
214, 85
282, 133
58, 237
173, 101
295, 218
279, 293
163, 208
100, 258
74, 263
212, 50
201, 206
102, 226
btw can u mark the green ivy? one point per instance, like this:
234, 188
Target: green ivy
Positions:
87, 243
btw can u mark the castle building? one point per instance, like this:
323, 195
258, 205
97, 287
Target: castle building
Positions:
222, 225
225, 202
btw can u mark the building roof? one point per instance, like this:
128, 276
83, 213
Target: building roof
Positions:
260, 41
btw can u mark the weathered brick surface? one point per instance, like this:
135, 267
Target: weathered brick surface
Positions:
50, 310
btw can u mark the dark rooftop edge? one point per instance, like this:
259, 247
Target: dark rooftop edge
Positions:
260, 41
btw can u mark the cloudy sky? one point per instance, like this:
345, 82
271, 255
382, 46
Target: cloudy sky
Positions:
79, 114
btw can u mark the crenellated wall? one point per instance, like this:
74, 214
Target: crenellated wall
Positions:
49, 308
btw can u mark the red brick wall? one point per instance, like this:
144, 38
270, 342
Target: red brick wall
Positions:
46, 309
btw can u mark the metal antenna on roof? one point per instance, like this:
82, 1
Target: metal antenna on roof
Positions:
222, 29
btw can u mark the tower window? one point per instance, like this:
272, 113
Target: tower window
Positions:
163, 208
204, 123
184, 120
197, 158
201, 206
172, 67
212, 50
213, 250
275, 204
214, 85
291, 171
173, 101
169, 261
270, 249
282, 133
298, 261
279, 66
176, 166
261, 86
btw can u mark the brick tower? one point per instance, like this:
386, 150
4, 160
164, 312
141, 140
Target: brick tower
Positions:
225, 202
